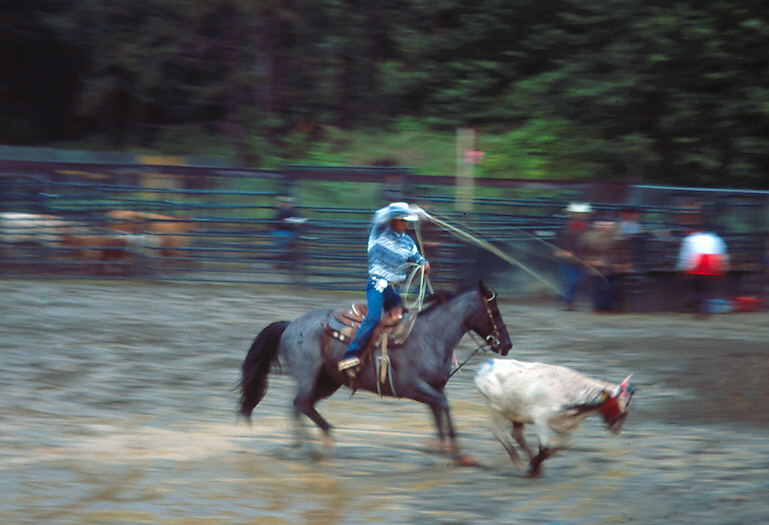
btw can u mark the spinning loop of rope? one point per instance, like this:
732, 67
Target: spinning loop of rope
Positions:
487, 246
424, 285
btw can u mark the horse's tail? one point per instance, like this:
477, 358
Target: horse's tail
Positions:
256, 366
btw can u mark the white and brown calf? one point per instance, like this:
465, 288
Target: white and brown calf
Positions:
555, 399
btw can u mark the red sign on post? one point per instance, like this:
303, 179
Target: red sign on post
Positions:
473, 156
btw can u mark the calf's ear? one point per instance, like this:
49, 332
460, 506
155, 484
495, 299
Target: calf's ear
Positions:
625, 394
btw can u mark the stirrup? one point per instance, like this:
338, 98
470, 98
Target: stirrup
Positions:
347, 364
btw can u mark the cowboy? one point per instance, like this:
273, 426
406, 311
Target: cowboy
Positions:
567, 252
389, 251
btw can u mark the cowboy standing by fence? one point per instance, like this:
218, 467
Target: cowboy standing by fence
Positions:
389, 251
568, 253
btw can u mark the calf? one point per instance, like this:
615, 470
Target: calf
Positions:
555, 399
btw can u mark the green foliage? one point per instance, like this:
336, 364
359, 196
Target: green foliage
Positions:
544, 149
674, 92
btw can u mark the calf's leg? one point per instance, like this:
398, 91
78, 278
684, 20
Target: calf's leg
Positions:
518, 435
535, 467
498, 422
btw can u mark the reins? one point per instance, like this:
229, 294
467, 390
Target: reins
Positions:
490, 339
463, 363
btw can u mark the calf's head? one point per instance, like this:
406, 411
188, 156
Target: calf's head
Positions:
614, 408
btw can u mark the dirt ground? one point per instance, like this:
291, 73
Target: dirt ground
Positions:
119, 407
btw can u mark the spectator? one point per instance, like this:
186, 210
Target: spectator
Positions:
285, 233
630, 263
600, 248
702, 259
567, 252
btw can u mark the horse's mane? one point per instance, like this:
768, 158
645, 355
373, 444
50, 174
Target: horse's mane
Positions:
440, 297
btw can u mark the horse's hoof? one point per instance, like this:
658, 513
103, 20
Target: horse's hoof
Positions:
327, 442
438, 446
466, 460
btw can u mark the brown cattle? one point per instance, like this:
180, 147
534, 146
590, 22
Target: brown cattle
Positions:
170, 235
101, 250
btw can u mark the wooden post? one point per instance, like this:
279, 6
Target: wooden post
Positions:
465, 170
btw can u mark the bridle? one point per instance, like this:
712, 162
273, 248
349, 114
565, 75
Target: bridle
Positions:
491, 340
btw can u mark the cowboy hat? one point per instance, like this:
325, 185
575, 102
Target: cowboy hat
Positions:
579, 207
399, 210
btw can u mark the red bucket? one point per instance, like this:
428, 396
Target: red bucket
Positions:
747, 304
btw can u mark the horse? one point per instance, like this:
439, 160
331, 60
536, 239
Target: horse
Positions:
555, 399
418, 370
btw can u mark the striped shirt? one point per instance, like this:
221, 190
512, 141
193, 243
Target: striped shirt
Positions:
388, 253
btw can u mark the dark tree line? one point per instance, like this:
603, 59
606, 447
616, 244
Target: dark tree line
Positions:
677, 92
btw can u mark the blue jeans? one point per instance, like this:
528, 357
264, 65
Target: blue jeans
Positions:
375, 301
604, 293
281, 242
570, 275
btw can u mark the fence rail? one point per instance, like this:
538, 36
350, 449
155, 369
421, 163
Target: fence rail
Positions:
216, 223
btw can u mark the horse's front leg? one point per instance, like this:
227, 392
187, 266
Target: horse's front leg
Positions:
448, 443
436, 400
444, 430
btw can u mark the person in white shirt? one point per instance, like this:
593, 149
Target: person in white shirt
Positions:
702, 258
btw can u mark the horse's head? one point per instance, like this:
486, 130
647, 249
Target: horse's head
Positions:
614, 409
493, 327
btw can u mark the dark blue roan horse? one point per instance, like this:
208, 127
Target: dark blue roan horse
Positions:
419, 369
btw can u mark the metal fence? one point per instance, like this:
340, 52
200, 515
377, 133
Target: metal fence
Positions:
215, 223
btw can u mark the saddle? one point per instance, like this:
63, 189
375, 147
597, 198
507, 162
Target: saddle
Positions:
390, 333
344, 323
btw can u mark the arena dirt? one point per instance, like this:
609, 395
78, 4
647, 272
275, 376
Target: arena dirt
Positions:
119, 407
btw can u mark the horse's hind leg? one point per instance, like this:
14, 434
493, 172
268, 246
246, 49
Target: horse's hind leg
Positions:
304, 404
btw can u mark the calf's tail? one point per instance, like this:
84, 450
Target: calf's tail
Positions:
256, 366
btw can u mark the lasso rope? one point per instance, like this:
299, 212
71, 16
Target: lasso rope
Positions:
592, 269
487, 246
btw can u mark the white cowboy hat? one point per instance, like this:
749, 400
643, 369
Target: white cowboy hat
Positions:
401, 210
579, 207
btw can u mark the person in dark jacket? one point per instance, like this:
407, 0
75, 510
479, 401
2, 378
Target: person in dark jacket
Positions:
570, 268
